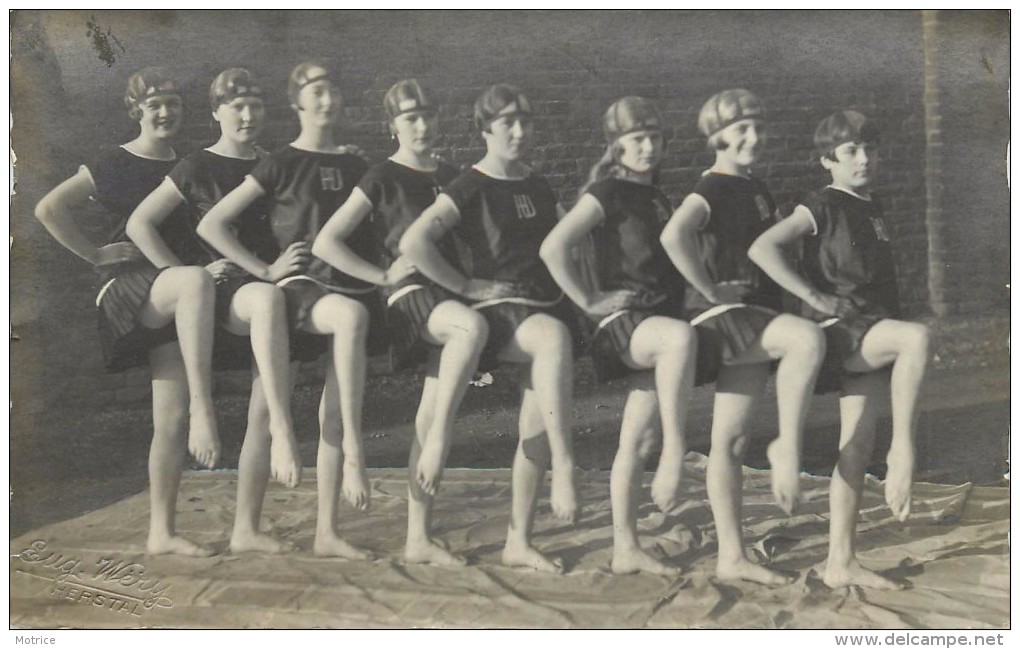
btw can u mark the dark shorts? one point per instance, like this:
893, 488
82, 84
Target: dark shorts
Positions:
301, 295
610, 342
842, 339
505, 317
407, 317
723, 336
125, 342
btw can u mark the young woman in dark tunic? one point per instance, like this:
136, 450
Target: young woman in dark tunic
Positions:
244, 305
303, 184
499, 212
847, 281
420, 316
735, 309
634, 310
160, 315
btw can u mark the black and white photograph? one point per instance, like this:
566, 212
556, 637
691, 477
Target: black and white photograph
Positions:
511, 319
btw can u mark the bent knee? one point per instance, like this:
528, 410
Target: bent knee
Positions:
347, 316
473, 330
805, 338
548, 334
682, 337
917, 340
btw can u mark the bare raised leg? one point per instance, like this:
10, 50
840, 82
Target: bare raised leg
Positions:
907, 346
185, 295
668, 346
168, 451
346, 320
858, 414
545, 343
736, 394
530, 463
462, 333
800, 347
258, 310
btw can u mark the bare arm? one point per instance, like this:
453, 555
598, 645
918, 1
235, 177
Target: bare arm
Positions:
679, 238
56, 212
331, 244
143, 225
419, 245
215, 227
767, 253
562, 253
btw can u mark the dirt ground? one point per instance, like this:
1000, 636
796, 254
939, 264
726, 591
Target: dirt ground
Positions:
77, 461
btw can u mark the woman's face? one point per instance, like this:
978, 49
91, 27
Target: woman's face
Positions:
319, 102
509, 135
416, 131
241, 119
641, 151
744, 141
161, 115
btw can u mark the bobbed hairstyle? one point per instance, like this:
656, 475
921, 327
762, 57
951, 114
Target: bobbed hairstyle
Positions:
148, 82
406, 96
300, 77
630, 114
494, 99
841, 127
725, 108
231, 84
625, 115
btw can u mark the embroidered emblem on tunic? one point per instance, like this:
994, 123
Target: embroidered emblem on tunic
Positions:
525, 208
331, 178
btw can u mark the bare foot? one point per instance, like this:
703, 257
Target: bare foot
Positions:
525, 556
203, 439
899, 479
430, 464
748, 571
666, 483
258, 542
285, 459
332, 545
785, 464
430, 552
856, 575
355, 485
563, 496
635, 559
176, 545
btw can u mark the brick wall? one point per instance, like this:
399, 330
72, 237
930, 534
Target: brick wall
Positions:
572, 64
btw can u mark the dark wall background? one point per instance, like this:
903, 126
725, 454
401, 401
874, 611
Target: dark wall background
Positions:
69, 69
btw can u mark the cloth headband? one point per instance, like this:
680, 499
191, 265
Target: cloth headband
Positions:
521, 107
164, 88
750, 113
646, 125
321, 77
236, 90
411, 105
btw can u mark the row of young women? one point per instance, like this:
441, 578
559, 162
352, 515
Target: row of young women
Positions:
294, 250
